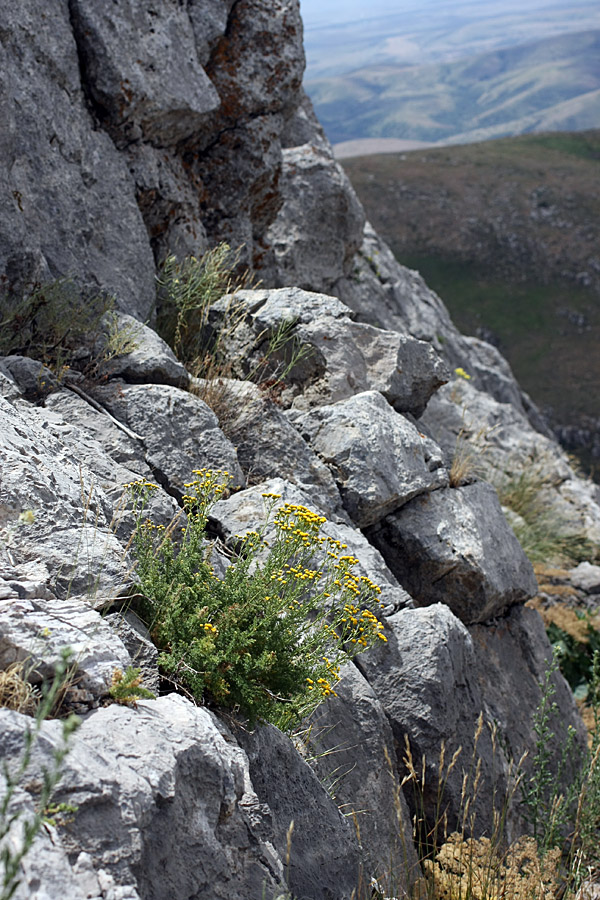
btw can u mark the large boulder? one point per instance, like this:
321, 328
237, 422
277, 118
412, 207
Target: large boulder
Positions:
165, 808
67, 203
378, 458
180, 433
266, 442
142, 71
350, 745
319, 227
445, 687
286, 784
53, 510
456, 547
342, 357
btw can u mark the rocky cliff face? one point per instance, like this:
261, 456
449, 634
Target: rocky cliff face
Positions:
138, 129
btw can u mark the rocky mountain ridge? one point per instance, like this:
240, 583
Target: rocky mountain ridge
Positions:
135, 131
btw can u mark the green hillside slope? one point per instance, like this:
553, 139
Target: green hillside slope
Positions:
548, 84
508, 232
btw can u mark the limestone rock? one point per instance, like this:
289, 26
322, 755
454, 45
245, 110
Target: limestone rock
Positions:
350, 745
382, 292
283, 781
378, 457
268, 445
151, 360
33, 379
179, 431
67, 204
434, 679
155, 787
455, 547
142, 70
586, 577
319, 228
53, 511
508, 448
36, 630
345, 357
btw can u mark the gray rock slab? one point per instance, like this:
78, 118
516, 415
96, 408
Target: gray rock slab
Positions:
378, 458
586, 577
53, 511
319, 227
33, 379
142, 70
507, 447
67, 202
111, 477
350, 745
151, 361
268, 445
345, 357
434, 677
319, 869
36, 630
454, 546
243, 511
179, 431
155, 788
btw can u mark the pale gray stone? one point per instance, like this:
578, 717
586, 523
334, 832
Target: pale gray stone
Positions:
586, 577
67, 203
33, 379
156, 787
319, 227
35, 631
151, 360
378, 458
435, 678
454, 546
268, 445
344, 358
136, 639
350, 745
179, 431
142, 71
53, 511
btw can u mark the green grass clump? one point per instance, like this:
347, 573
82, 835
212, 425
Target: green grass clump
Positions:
542, 535
63, 326
269, 637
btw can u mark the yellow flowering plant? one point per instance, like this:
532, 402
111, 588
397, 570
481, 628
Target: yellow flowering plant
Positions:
269, 637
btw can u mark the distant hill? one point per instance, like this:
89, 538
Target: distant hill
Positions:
508, 233
549, 84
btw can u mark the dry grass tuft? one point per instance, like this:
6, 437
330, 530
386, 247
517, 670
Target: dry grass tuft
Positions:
16, 692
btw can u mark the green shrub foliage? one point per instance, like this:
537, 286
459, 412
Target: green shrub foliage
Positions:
269, 637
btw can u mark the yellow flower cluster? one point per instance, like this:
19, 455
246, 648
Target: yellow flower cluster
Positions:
366, 624
210, 629
322, 685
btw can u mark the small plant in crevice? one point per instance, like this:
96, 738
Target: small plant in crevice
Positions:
543, 536
187, 290
268, 638
126, 687
206, 344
